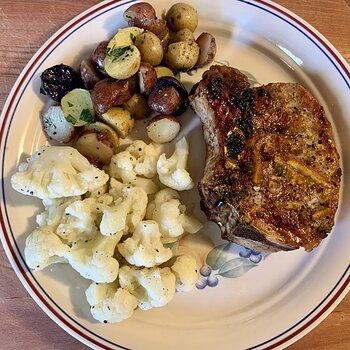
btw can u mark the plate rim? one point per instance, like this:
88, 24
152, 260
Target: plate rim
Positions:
20, 267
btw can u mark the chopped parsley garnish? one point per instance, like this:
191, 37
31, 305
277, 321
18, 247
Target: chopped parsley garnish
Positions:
71, 119
86, 116
70, 104
117, 52
133, 38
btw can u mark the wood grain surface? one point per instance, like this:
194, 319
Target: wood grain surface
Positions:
24, 27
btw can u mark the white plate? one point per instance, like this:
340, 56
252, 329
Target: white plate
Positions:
285, 295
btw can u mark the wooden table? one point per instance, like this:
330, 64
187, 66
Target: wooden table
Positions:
24, 26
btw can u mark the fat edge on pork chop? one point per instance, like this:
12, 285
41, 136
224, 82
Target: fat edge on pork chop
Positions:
272, 177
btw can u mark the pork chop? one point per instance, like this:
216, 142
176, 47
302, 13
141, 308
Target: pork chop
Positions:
272, 177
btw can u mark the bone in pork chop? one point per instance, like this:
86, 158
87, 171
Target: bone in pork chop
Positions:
272, 177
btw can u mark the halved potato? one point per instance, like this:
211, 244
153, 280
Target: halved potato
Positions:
120, 120
163, 71
122, 62
163, 128
124, 36
207, 45
98, 143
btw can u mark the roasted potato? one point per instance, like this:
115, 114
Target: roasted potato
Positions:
163, 128
181, 16
150, 47
89, 74
109, 92
99, 54
165, 100
183, 35
124, 37
77, 107
207, 45
182, 55
122, 62
143, 15
147, 77
57, 127
138, 107
98, 143
120, 120
163, 71
165, 37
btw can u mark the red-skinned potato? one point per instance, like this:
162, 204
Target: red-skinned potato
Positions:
207, 46
147, 76
99, 54
143, 15
163, 128
165, 100
165, 37
89, 74
109, 92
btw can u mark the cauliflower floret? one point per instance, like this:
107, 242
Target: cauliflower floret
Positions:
108, 303
54, 211
138, 159
126, 212
94, 260
57, 171
43, 248
167, 210
172, 172
186, 272
78, 221
153, 287
144, 248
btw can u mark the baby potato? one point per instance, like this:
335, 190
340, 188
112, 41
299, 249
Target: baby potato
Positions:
108, 92
163, 128
120, 120
163, 71
99, 54
147, 77
207, 45
183, 35
122, 62
181, 16
182, 55
150, 48
137, 106
165, 100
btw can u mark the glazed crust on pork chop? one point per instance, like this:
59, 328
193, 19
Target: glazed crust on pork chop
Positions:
272, 177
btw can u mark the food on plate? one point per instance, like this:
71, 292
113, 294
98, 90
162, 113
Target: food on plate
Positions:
172, 171
183, 35
150, 47
181, 16
147, 77
58, 80
89, 74
143, 15
207, 49
137, 106
163, 71
97, 142
182, 55
120, 120
272, 175
57, 171
56, 125
77, 107
105, 225
109, 92
163, 128
98, 56
168, 96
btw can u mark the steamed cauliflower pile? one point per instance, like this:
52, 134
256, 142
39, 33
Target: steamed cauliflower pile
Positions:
113, 227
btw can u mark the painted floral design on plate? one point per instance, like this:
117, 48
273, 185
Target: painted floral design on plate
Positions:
227, 260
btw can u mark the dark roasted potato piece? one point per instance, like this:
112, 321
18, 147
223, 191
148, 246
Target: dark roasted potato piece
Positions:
58, 80
165, 100
109, 92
